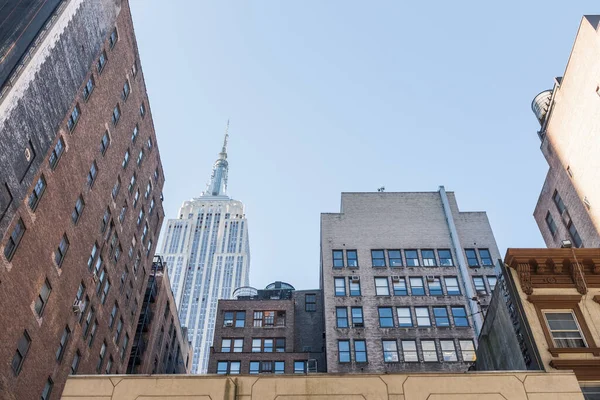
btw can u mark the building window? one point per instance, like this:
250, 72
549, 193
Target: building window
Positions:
486, 257
338, 258
21, 353
105, 219
299, 367
574, 235
472, 258
140, 218
340, 286
551, 224
136, 197
93, 333
134, 134
61, 250
75, 363
40, 302
441, 316
118, 330
47, 389
101, 357
310, 302
445, 256
386, 319
101, 61
460, 316
416, 287
105, 290
149, 144
559, 203
429, 351
113, 315
148, 189
36, 194
125, 344
390, 351
467, 348
121, 218
564, 329
352, 257
126, 90
234, 318
125, 159
412, 258
428, 258
404, 317
56, 153
479, 285
92, 256
435, 286
354, 287
357, 317
395, 257
113, 38
92, 174
378, 258
140, 157
232, 345
341, 314
422, 314
89, 87
448, 350
116, 115
344, 351
452, 287
492, 280
409, 351
73, 118
142, 110
104, 142
88, 322
109, 365
14, 239
76, 214
382, 287
399, 286
131, 185
360, 351
63, 343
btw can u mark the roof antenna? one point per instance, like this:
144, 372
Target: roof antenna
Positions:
381, 189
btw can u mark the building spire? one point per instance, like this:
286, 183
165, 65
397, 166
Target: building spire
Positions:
218, 179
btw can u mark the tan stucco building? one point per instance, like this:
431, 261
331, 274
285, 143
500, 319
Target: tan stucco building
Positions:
469, 386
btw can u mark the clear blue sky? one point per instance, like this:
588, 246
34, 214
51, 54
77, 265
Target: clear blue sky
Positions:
333, 96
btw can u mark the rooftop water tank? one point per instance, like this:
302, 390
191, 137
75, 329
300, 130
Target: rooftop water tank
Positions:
245, 291
541, 104
279, 285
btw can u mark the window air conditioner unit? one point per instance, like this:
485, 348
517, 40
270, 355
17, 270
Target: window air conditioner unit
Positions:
311, 366
78, 306
396, 278
355, 278
228, 323
430, 278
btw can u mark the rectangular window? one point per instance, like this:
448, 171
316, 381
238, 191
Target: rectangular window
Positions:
76, 214
116, 114
113, 315
64, 339
75, 363
124, 346
136, 197
148, 189
238, 345
14, 239
36, 194
89, 87
412, 258
559, 202
113, 38
551, 224
360, 351
341, 314
61, 251
416, 287
352, 257
428, 258
126, 90
338, 258
118, 330
92, 256
105, 290
140, 157
564, 329
422, 314
344, 351
87, 323
142, 110
486, 257
47, 389
56, 153
101, 61
92, 174
378, 258
399, 286
382, 287
131, 185
395, 258
445, 256
225, 345
40, 302
409, 351
404, 317
256, 345
441, 316
299, 367
149, 144
471, 258
357, 317
134, 133
386, 319
104, 142
21, 353
390, 351
354, 287
73, 118
121, 218
279, 367
460, 316
448, 350
93, 333
429, 351
435, 286
452, 287
280, 345
467, 348
479, 285
125, 159
109, 364
240, 319
574, 235
492, 280
258, 319
105, 219
310, 302
254, 367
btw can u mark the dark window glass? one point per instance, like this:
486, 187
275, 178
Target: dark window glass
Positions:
551, 224
89, 87
344, 351
134, 133
73, 118
40, 302
471, 258
36, 194
395, 257
486, 257
574, 235
445, 256
338, 259
352, 258
386, 319
378, 258
460, 316
116, 115
76, 214
310, 302
428, 258
61, 250
126, 90
21, 353
47, 389
299, 367
92, 174
441, 316
342, 317
412, 258
113, 38
559, 202
240, 319
104, 142
360, 351
56, 153
75, 363
101, 61
14, 239
63, 343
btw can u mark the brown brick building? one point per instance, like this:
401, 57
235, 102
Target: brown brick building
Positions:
80, 198
276, 330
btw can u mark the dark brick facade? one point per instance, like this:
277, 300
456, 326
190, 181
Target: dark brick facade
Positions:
34, 262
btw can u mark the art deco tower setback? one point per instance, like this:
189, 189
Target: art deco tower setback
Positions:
208, 256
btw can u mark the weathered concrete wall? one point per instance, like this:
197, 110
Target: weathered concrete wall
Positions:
474, 386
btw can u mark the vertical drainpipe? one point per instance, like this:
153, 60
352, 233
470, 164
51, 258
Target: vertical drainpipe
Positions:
463, 270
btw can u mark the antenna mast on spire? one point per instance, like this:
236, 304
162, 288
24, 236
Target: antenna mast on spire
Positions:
226, 137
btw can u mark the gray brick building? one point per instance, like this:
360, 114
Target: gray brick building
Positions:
274, 330
406, 278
